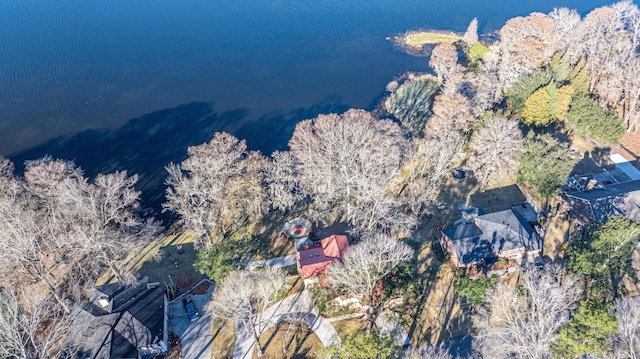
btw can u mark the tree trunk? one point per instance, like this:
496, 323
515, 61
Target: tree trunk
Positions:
57, 297
256, 337
116, 272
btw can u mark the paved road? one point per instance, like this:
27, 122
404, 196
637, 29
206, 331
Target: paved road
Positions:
300, 302
278, 262
195, 337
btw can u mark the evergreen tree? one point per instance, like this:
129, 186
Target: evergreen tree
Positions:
579, 77
603, 253
591, 119
536, 109
475, 290
560, 65
359, 345
525, 87
545, 164
588, 332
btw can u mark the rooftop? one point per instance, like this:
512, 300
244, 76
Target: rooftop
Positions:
317, 258
491, 234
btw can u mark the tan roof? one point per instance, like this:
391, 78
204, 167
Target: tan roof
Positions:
318, 258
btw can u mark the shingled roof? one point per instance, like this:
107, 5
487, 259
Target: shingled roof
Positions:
620, 199
317, 259
489, 235
134, 317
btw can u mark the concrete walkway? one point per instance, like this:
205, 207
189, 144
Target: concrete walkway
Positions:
300, 302
623, 165
285, 262
388, 324
196, 337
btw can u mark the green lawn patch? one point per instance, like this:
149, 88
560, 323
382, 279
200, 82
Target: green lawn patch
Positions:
478, 50
419, 39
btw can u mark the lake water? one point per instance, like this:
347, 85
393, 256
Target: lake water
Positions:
118, 84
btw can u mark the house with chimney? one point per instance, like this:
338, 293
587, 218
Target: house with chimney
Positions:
479, 238
121, 322
314, 259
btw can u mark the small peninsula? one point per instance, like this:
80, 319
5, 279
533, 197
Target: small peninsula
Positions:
417, 42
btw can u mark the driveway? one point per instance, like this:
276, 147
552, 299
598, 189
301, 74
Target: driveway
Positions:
285, 262
300, 302
195, 337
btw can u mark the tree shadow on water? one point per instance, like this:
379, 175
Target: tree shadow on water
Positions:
142, 145
145, 145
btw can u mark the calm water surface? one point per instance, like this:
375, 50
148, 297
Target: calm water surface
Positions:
121, 84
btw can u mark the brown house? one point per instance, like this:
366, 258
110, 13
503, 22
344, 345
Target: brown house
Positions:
480, 238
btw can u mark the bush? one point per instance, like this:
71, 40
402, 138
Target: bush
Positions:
323, 298
217, 261
475, 290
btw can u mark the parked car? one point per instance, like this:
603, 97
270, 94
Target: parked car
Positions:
190, 308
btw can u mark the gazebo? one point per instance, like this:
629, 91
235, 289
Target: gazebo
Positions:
298, 229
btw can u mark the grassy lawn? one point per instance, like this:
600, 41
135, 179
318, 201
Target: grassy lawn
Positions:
155, 262
418, 39
223, 339
300, 340
478, 50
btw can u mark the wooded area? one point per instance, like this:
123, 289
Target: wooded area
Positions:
506, 114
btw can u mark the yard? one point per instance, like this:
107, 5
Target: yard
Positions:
167, 260
299, 339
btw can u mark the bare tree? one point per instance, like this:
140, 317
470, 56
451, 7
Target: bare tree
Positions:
524, 322
627, 342
484, 88
283, 181
109, 228
31, 326
31, 245
101, 217
471, 35
526, 43
351, 162
363, 268
432, 159
567, 21
451, 111
245, 295
61, 231
496, 151
444, 60
218, 188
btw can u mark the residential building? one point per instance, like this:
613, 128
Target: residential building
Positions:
479, 238
122, 322
315, 259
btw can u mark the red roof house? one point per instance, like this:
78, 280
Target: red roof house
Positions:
318, 258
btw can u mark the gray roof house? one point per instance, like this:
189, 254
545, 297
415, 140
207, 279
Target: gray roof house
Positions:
605, 201
483, 238
121, 322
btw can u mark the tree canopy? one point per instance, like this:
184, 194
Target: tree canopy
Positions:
591, 119
588, 332
545, 164
603, 253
